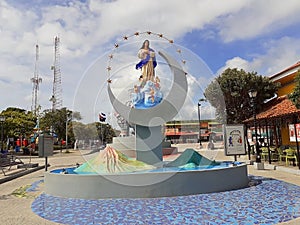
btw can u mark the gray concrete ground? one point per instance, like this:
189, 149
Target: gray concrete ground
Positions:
17, 210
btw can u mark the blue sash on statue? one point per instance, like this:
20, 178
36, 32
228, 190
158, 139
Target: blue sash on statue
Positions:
145, 61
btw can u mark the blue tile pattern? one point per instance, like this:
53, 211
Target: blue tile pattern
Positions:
34, 186
268, 202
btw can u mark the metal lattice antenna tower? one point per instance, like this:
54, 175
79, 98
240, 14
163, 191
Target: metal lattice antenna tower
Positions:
56, 97
36, 80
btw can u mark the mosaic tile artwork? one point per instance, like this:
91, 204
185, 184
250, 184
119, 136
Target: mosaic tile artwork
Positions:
266, 201
34, 186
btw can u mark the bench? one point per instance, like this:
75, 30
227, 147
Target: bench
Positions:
8, 161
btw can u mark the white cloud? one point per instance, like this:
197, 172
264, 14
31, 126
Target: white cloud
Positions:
174, 18
258, 17
280, 54
235, 62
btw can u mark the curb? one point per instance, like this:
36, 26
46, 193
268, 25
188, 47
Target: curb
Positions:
282, 169
20, 174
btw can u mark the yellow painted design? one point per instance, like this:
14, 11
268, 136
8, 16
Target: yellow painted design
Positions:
21, 192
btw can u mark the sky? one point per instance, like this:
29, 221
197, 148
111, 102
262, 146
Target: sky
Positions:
254, 35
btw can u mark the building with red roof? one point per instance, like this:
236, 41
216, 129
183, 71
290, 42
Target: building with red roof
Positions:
280, 114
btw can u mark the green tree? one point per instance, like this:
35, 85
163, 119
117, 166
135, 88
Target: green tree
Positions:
295, 95
57, 120
83, 132
18, 122
105, 132
228, 93
93, 131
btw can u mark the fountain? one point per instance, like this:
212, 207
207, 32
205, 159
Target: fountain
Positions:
112, 174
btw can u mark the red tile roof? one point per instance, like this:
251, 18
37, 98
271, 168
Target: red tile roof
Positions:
279, 107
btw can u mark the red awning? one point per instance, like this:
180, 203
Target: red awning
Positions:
172, 133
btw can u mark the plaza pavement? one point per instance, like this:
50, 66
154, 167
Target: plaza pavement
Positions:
17, 210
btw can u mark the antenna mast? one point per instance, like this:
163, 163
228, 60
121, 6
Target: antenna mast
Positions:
56, 97
36, 80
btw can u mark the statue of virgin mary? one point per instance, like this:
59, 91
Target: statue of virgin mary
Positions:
148, 61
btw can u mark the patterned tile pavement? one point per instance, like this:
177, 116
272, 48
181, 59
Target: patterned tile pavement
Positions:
265, 201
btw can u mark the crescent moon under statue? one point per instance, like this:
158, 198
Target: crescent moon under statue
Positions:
164, 111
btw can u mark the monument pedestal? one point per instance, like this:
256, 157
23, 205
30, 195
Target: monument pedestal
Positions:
148, 144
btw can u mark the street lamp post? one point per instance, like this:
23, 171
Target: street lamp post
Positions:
252, 94
67, 121
102, 118
199, 119
53, 100
2, 119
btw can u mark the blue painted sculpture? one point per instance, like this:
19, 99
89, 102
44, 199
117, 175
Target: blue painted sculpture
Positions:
147, 94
